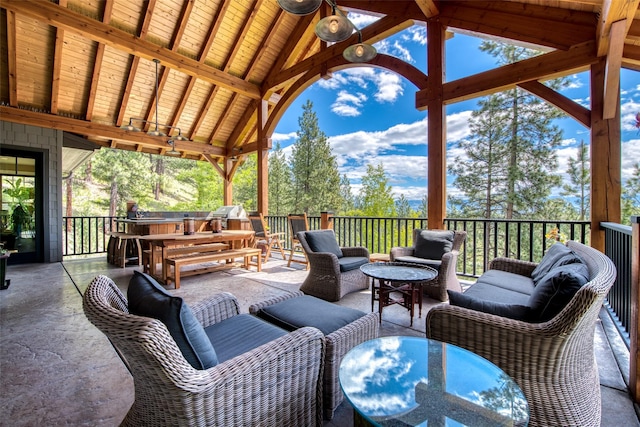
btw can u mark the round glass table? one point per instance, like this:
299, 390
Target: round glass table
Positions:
411, 381
403, 279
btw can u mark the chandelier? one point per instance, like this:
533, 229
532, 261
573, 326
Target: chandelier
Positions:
157, 126
334, 28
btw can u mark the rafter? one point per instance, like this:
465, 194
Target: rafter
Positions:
90, 28
57, 65
97, 63
12, 58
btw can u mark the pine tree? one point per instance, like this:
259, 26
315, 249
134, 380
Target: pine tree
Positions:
376, 198
631, 196
314, 170
279, 182
403, 208
245, 184
579, 184
348, 201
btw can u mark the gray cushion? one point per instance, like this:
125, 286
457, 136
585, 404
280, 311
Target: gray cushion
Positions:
435, 264
554, 291
506, 280
349, 263
306, 310
240, 334
512, 311
147, 298
432, 244
557, 255
487, 292
323, 241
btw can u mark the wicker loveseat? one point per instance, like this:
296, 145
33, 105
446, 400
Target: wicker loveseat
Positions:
552, 360
277, 383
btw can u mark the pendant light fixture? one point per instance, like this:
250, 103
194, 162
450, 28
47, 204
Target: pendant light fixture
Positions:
300, 7
173, 151
156, 131
334, 28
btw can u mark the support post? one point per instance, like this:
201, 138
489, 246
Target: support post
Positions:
326, 220
264, 144
634, 359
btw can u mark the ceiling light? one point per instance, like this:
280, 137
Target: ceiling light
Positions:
300, 7
156, 132
334, 28
361, 52
173, 151
130, 126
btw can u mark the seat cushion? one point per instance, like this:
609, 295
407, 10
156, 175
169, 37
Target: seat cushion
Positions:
557, 255
240, 334
435, 264
323, 241
506, 280
432, 244
306, 310
349, 263
487, 292
554, 291
147, 298
511, 311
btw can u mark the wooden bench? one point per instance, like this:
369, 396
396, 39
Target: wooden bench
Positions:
182, 250
177, 262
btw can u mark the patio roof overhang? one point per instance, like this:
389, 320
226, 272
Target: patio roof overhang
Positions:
229, 69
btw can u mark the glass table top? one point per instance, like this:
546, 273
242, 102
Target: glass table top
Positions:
398, 272
410, 381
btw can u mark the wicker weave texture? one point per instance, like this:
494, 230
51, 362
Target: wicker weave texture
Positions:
553, 362
325, 280
278, 383
338, 343
447, 277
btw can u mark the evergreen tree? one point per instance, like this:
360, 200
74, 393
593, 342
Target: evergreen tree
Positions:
631, 196
512, 151
376, 198
348, 201
423, 211
314, 170
279, 182
403, 208
245, 184
579, 180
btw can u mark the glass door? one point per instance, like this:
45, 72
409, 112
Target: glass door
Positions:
20, 206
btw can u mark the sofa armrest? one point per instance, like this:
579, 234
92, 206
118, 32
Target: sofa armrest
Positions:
510, 265
399, 251
216, 308
355, 251
254, 308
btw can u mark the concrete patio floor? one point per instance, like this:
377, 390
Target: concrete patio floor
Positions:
57, 369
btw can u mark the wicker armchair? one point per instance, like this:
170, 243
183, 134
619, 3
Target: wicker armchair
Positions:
325, 279
447, 278
553, 362
279, 383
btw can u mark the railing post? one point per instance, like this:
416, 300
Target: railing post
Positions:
634, 374
326, 220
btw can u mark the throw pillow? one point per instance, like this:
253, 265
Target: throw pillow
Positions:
147, 298
511, 311
323, 241
557, 255
554, 291
432, 244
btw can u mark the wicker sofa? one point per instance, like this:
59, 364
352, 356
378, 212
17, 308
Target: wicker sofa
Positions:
275, 383
552, 359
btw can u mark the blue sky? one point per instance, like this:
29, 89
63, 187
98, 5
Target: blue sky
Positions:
369, 114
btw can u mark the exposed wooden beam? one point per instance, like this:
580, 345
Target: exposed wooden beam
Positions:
631, 57
572, 108
57, 65
97, 63
612, 71
379, 30
428, 7
407, 8
96, 130
12, 58
57, 16
541, 67
613, 11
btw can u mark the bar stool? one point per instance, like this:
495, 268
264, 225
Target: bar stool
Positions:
120, 251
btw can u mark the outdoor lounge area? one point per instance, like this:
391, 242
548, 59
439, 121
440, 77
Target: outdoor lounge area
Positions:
58, 369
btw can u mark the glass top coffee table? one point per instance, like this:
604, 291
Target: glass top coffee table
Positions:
410, 381
398, 283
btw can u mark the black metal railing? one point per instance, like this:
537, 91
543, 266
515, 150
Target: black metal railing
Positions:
86, 235
617, 246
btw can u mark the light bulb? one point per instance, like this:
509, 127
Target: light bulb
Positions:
334, 25
359, 50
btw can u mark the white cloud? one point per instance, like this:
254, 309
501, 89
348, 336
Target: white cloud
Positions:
458, 126
389, 87
348, 104
279, 137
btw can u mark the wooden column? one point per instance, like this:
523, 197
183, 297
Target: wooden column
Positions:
634, 354
228, 185
326, 220
264, 144
605, 158
436, 126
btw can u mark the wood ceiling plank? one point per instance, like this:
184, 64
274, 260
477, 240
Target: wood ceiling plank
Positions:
410, 9
569, 106
12, 58
53, 14
631, 58
613, 11
612, 69
541, 67
97, 63
57, 65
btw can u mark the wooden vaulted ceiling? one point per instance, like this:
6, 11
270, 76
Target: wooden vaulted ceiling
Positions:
86, 66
